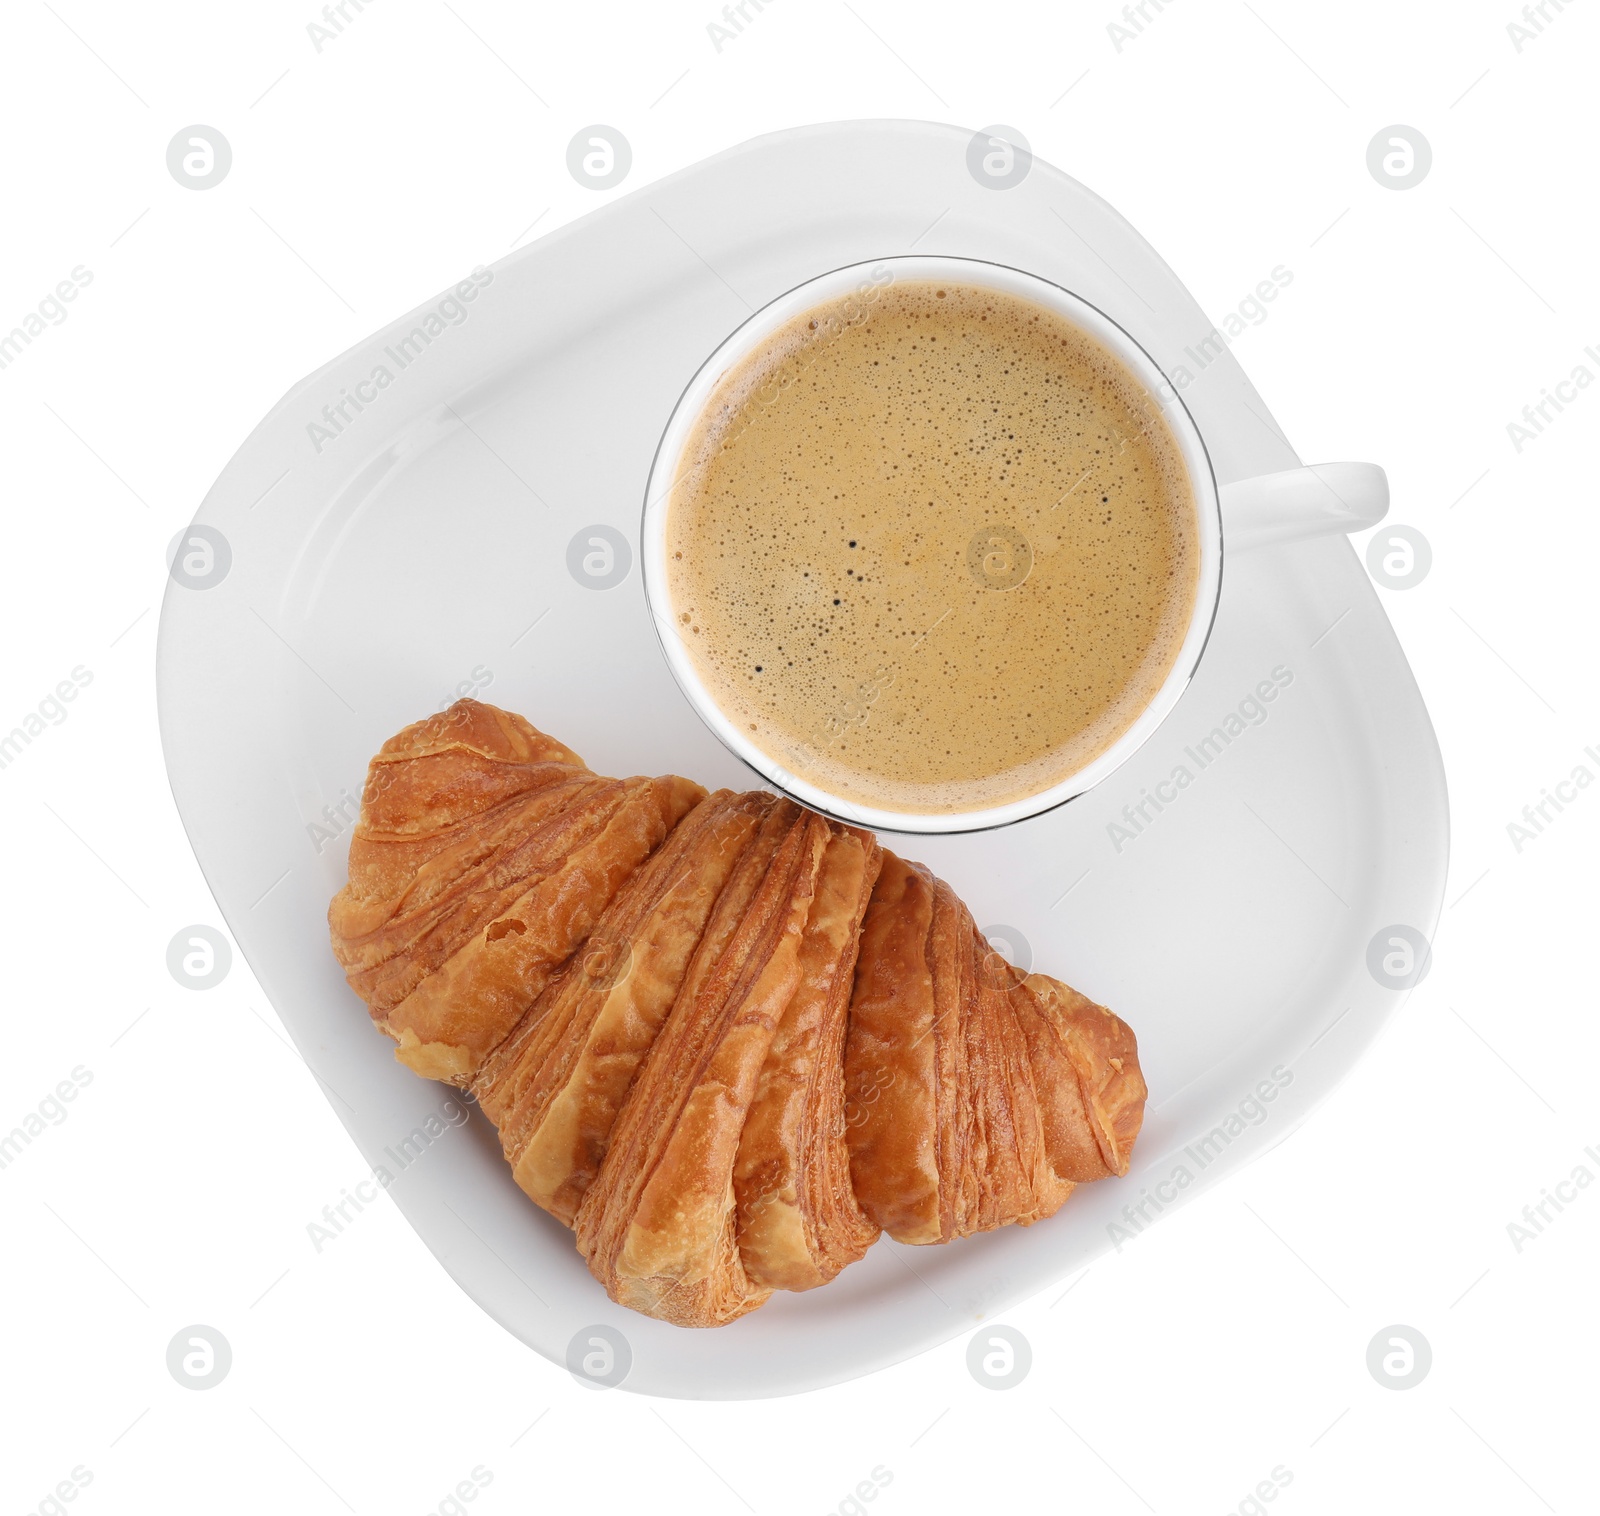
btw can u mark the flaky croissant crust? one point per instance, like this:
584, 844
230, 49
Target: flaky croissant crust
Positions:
725, 1039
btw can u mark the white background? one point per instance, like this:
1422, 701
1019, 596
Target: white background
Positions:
426, 138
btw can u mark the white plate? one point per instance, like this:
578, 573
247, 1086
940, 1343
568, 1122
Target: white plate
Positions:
426, 545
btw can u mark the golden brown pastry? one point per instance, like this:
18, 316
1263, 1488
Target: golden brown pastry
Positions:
977, 1096
484, 856
799, 1222
725, 1039
554, 1087
659, 1224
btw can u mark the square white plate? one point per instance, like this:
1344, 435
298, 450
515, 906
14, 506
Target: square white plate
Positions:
421, 551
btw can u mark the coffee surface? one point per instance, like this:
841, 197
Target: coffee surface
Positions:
932, 547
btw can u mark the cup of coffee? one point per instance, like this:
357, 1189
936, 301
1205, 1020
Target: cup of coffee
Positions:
934, 545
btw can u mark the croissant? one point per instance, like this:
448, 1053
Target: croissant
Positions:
727, 1040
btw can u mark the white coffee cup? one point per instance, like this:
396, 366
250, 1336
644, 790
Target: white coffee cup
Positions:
1272, 508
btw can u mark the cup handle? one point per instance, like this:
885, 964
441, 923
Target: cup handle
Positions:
1315, 501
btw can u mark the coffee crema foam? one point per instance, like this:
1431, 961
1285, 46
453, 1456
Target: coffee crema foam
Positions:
932, 547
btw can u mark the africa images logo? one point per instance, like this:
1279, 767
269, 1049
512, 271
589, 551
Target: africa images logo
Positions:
338, 415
